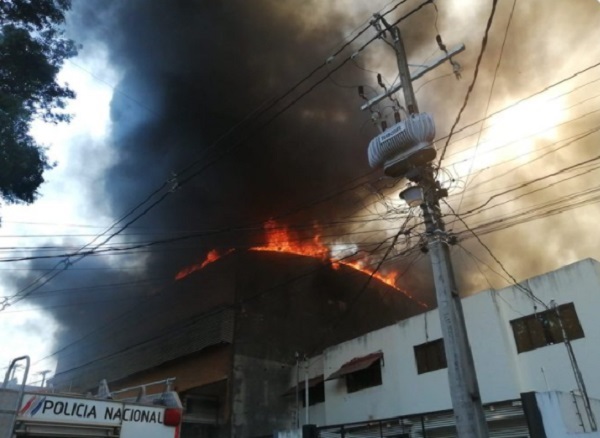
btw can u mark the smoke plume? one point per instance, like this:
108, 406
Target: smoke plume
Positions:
194, 70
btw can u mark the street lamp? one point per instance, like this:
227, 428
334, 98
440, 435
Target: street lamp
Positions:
413, 196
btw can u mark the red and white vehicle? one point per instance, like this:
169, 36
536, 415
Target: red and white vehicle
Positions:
25, 413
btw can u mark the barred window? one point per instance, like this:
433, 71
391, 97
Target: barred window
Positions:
543, 328
430, 356
365, 378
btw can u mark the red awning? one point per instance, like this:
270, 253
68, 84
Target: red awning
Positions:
356, 364
311, 382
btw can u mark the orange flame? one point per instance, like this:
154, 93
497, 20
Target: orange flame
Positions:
389, 279
280, 239
212, 256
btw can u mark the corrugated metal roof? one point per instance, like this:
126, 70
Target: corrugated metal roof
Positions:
188, 337
356, 364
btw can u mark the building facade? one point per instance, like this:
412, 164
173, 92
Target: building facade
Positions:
228, 334
517, 345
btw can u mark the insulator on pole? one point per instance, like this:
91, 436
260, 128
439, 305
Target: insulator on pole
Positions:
380, 81
361, 92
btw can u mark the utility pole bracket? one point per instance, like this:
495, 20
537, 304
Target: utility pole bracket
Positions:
414, 76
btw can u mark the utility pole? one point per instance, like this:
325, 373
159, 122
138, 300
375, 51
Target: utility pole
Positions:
306, 394
43, 374
576, 370
297, 390
405, 150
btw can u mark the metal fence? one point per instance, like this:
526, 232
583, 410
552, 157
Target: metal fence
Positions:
400, 427
504, 421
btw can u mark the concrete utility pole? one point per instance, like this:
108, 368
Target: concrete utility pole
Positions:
306, 394
464, 390
297, 390
43, 374
405, 150
576, 370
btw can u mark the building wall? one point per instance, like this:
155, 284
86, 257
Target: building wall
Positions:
503, 374
200, 371
562, 417
208, 366
578, 283
259, 407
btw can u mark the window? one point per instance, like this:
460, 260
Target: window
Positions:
316, 390
361, 372
316, 394
541, 329
365, 378
430, 356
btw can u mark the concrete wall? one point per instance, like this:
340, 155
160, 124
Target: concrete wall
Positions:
502, 372
404, 391
578, 283
561, 415
208, 366
293, 433
259, 407
202, 370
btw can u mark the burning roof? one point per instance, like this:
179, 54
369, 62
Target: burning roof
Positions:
279, 239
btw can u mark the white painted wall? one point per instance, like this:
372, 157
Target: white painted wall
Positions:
503, 374
293, 433
560, 418
578, 283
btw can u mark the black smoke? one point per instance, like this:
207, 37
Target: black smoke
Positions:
192, 71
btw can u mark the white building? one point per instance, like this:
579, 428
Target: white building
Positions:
399, 371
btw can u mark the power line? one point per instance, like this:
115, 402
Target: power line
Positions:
472, 85
290, 226
573, 139
361, 291
525, 289
545, 128
291, 90
267, 123
260, 294
111, 286
530, 182
23, 293
537, 155
477, 261
115, 250
570, 142
145, 341
544, 210
370, 220
463, 192
489, 99
545, 89
264, 292
517, 102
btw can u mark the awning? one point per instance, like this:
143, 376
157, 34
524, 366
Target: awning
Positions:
356, 364
311, 383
